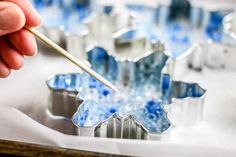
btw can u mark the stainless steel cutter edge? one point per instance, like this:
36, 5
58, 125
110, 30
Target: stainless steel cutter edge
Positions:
62, 103
116, 127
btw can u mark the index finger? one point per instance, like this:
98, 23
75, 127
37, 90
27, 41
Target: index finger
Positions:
33, 19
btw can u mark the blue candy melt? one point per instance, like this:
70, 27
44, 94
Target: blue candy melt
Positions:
185, 40
107, 9
105, 92
177, 27
153, 107
113, 110
151, 116
165, 84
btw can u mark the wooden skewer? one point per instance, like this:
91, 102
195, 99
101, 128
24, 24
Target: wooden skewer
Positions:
70, 57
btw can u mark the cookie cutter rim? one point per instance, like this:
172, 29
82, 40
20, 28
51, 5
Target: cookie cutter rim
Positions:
128, 117
64, 92
201, 100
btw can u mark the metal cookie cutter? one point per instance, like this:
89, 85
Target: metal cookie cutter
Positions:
229, 23
201, 19
133, 46
98, 120
102, 62
120, 122
62, 98
130, 125
186, 101
120, 125
132, 70
56, 34
220, 54
102, 25
191, 58
129, 41
76, 43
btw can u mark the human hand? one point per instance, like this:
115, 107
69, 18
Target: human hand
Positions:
15, 41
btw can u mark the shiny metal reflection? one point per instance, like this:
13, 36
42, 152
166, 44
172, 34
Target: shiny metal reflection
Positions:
62, 101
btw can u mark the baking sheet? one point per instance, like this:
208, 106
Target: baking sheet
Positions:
23, 99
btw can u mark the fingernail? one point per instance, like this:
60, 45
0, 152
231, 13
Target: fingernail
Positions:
36, 47
4, 71
38, 16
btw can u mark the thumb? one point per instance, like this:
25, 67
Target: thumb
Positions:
12, 18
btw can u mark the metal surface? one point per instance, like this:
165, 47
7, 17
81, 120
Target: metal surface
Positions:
208, 24
130, 69
127, 41
220, 56
229, 22
220, 46
192, 58
196, 59
56, 34
120, 127
186, 102
101, 27
62, 102
76, 44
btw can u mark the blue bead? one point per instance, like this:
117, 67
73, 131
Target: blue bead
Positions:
92, 82
153, 107
151, 103
216, 18
174, 38
82, 119
107, 9
86, 114
165, 83
177, 27
113, 110
151, 116
185, 40
105, 92
151, 127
